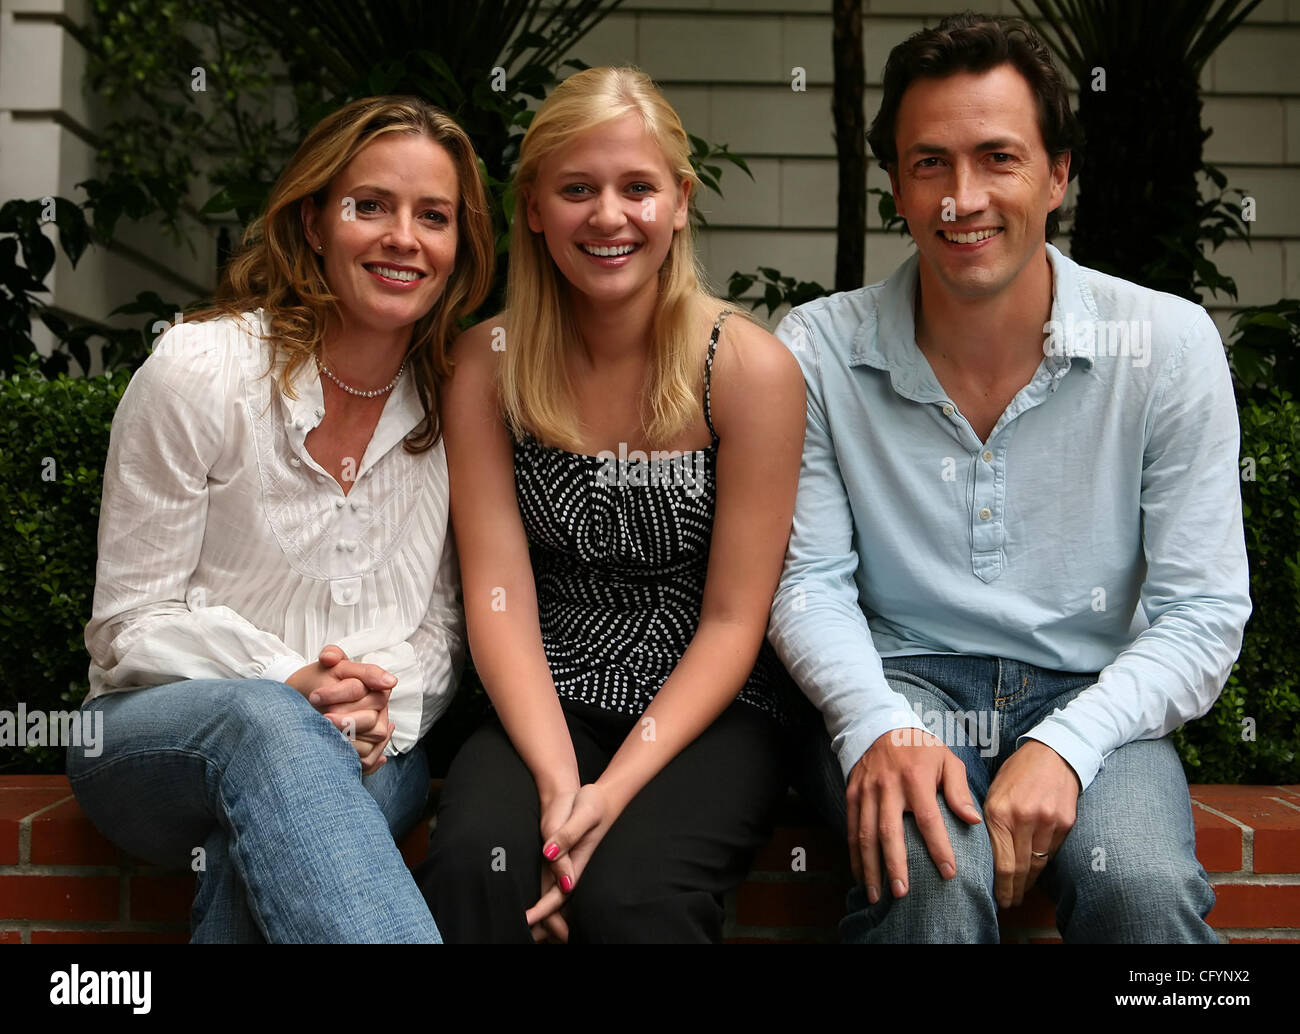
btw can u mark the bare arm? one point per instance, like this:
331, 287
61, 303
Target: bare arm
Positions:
497, 578
758, 410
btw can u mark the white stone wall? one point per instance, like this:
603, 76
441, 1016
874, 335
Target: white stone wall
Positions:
726, 66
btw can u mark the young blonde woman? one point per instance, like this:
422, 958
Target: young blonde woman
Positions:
275, 620
623, 454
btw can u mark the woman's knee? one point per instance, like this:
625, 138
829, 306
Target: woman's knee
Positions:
606, 909
274, 724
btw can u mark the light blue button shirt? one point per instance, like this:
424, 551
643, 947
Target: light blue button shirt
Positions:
1097, 530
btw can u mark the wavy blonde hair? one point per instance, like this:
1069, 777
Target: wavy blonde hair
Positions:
535, 393
276, 269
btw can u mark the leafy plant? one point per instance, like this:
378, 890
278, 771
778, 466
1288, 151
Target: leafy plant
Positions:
704, 157
1251, 734
53, 443
22, 231
778, 290
195, 103
888, 212
1264, 350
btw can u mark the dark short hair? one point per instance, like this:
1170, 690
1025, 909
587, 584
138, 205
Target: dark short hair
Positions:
970, 42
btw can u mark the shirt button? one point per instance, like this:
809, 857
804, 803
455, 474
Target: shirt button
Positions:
985, 514
294, 461
341, 546
988, 456
338, 504
300, 423
948, 410
354, 504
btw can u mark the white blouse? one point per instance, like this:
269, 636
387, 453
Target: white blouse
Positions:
226, 551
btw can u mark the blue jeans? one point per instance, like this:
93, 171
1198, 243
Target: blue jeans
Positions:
244, 782
1126, 872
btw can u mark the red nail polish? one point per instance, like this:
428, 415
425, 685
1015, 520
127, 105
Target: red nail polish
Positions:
566, 884
550, 851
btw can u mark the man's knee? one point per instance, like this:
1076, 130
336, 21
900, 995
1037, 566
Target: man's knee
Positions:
1128, 871
1128, 894
933, 909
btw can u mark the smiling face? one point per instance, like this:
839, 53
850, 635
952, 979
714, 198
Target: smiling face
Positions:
969, 146
608, 205
387, 232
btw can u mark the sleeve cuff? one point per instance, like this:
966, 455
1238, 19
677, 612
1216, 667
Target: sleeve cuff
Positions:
857, 739
279, 669
1079, 754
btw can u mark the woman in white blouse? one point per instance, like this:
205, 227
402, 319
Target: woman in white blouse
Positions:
276, 618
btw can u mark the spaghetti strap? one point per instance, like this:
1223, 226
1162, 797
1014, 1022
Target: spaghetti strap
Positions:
708, 372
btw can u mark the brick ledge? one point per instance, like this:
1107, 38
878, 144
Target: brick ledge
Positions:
61, 882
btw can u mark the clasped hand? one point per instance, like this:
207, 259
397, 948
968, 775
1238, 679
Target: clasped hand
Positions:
354, 697
573, 824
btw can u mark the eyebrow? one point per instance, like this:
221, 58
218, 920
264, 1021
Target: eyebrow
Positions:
1001, 143
643, 174
381, 192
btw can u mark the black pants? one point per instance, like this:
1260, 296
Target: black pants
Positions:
659, 874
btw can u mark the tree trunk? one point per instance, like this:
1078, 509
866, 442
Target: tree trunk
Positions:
850, 145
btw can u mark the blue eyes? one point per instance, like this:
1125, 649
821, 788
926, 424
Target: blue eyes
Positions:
637, 188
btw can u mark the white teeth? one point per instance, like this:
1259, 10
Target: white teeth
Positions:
970, 238
395, 274
623, 249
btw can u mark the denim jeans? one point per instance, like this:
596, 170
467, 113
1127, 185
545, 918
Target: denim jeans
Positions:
1126, 872
243, 781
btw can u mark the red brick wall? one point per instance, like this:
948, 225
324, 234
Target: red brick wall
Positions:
61, 882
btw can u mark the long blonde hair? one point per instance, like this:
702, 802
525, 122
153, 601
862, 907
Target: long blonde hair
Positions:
277, 270
535, 393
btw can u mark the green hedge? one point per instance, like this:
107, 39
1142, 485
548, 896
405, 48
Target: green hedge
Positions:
53, 441
1253, 733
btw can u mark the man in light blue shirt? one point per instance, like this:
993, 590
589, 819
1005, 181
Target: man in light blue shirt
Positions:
1017, 561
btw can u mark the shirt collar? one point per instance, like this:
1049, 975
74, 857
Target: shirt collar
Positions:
402, 411
888, 342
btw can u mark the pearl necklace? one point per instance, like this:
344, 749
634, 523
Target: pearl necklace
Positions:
353, 391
